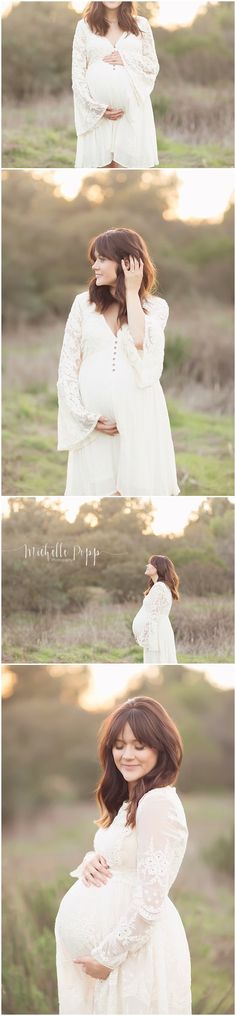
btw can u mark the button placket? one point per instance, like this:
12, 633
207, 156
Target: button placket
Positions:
114, 357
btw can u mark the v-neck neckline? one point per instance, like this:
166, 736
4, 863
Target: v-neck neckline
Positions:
109, 327
112, 44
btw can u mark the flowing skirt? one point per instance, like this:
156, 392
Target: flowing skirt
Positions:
129, 141
139, 460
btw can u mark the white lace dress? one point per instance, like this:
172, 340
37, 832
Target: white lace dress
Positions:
130, 141
152, 628
102, 374
129, 924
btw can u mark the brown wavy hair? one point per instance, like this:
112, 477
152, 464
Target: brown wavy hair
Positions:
166, 573
117, 244
152, 726
95, 15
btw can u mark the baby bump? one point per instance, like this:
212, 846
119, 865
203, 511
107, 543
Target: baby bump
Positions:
108, 84
95, 380
87, 914
138, 623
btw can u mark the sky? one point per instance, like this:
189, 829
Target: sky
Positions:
202, 193
170, 13
171, 515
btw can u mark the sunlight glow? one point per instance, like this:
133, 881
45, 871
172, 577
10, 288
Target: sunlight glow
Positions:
202, 198
110, 681
171, 515
201, 193
170, 14
168, 517
9, 681
174, 15
107, 682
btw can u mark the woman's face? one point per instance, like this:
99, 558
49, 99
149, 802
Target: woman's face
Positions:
133, 759
151, 571
105, 270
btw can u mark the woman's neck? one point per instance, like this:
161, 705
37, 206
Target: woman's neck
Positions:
112, 21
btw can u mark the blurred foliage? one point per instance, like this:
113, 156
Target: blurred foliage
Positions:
121, 530
46, 240
37, 42
49, 741
221, 854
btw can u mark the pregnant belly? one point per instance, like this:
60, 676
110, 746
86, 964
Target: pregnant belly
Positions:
86, 915
104, 390
108, 85
138, 624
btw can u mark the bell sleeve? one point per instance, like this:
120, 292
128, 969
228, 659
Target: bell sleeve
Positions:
143, 67
161, 841
75, 423
87, 111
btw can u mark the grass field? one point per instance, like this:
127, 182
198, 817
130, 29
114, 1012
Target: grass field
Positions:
102, 632
38, 856
201, 421
191, 131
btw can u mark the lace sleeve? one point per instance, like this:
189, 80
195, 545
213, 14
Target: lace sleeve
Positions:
142, 68
160, 604
148, 364
75, 423
88, 112
161, 841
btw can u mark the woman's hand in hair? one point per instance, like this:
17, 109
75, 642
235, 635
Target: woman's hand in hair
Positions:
133, 273
106, 426
114, 58
95, 871
113, 114
93, 969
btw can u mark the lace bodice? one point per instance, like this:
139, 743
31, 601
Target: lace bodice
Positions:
139, 59
85, 329
152, 852
158, 601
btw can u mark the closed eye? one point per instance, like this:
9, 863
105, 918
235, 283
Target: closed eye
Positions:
138, 747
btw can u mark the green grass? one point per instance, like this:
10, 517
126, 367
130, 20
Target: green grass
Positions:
178, 154
190, 130
40, 147
36, 877
32, 465
204, 451
103, 632
57, 147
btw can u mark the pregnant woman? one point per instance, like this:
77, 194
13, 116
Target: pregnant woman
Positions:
114, 68
151, 626
113, 417
121, 945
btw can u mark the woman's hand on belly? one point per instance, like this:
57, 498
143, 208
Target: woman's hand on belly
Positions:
96, 871
106, 426
94, 969
114, 58
113, 114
